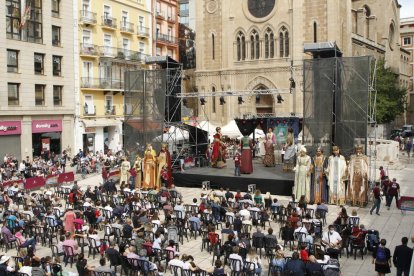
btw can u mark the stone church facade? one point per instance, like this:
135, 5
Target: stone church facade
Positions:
245, 45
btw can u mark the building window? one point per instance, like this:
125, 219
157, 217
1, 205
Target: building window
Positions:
213, 46
34, 22
55, 8
39, 94
13, 93
158, 51
241, 46
213, 100
269, 44
86, 38
57, 95
284, 42
391, 35
13, 17
12, 61
254, 45
57, 65
39, 63
55, 36
406, 40
315, 32
142, 47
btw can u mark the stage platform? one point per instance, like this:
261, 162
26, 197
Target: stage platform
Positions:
267, 179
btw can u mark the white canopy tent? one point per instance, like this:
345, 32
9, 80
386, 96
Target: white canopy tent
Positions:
231, 130
258, 133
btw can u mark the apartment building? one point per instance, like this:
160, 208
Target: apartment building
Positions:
166, 28
407, 61
36, 77
114, 36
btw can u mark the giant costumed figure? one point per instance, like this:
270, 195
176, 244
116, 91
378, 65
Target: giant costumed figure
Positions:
138, 170
336, 173
358, 178
246, 156
218, 157
269, 158
125, 167
319, 188
302, 175
164, 162
150, 162
290, 151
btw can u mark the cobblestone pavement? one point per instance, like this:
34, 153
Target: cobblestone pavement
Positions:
391, 224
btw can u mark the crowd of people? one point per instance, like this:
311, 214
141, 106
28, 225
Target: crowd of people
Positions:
136, 230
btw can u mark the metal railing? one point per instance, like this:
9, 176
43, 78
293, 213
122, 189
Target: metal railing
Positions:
108, 21
88, 17
127, 27
120, 53
89, 49
102, 83
110, 110
166, 38
160, 14
143, 31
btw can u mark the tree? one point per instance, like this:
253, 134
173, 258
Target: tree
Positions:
390, 97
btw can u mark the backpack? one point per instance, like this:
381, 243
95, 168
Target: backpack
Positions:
381, 255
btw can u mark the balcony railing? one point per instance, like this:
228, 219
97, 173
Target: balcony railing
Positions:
171, 18
142, 31
166, 38
121, 53
89, 49
88, 17
102, 83
160, 14
110, 110
127, 27
108, 22
89, 110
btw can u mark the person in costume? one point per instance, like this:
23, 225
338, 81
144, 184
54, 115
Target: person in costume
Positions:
319, 188
290, 152
138, 170
358, 178
150, 163
164, 162
302, 175
269, 158
336, 173
246, 166
125, 167
218, 155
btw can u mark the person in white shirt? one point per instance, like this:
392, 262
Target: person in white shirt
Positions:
176, 261
332, 242
238, 266
180, 208
245, 213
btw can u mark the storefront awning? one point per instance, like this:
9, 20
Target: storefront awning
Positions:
101, 122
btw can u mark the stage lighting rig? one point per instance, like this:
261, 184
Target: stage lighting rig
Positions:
240, 100
222, 101
202, 101
279, 99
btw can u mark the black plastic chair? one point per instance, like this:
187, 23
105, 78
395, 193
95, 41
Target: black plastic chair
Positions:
236, 267
68, 255
93, 247
114, 260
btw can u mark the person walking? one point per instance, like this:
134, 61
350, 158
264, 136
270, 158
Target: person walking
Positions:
377, 199
402, 257
382, 258
393, 191
408, 146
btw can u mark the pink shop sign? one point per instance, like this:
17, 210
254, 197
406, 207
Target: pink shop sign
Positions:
42, 126
10, 128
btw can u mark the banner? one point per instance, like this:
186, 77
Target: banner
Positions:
115, 175
66, 177
280, 132
19, 182
52, 179
406, 203
45, 144
34, 182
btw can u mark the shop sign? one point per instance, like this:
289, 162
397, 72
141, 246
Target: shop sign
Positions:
90, 130
42, 126
10, 128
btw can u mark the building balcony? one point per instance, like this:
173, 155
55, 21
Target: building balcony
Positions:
88, 50
108, 22
110, 110
160, 14
89, 110
171, 18
87, 17
127, 27
142, 31
102, 83
120, 53
168, 39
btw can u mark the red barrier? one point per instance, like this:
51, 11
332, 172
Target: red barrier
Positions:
66, 177
34, 182
13, 182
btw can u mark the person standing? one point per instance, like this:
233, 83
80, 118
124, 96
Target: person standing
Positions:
336, 173
302, 175
246, 166
382, 258
402, 257
393, 191
237, 164
408, 146
377, 198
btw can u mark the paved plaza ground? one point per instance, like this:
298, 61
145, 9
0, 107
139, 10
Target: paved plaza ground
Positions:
391, 224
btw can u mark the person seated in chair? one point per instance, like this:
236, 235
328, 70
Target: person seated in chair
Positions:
332, 242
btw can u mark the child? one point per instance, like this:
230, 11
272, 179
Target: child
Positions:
237, 164
304, 253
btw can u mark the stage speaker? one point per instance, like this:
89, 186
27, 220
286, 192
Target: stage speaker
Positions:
205, 185
251, 188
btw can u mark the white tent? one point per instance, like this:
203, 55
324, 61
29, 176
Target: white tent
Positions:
258, 133
231, 129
